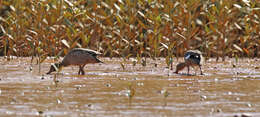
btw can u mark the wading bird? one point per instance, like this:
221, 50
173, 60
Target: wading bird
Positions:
79, 57
191, 58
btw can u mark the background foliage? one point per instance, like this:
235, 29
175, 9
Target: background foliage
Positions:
130, 28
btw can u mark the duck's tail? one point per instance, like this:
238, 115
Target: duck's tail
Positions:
99, 61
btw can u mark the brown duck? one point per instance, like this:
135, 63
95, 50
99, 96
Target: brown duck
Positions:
79, 57
191, 58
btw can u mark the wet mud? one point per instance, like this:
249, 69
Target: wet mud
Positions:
117, 88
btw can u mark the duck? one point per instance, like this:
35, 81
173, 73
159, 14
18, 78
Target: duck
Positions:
77, 57
191, 58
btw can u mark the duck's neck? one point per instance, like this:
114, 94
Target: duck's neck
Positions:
58, 65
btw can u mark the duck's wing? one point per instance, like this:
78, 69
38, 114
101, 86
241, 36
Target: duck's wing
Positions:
89, 51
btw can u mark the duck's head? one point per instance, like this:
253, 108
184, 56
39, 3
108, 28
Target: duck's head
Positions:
55, 67
180, 67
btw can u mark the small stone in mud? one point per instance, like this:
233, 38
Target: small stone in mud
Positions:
203, 97
89, 105
30, 68
218, 110
42, 77
58, 101
108, 85
40, 112
140, 84
135, 78
237, 73
249, 105
246, 115
122, 79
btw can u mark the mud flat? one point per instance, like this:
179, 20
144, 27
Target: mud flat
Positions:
226, 89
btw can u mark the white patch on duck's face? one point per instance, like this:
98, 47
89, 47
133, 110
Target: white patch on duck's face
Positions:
187, 57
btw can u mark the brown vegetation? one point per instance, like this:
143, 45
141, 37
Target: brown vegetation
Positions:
130, 28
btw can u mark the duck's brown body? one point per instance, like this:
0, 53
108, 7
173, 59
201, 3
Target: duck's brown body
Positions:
191, 58
79, 57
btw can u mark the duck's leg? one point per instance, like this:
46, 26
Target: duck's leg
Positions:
200, 70
195, 70
82, 70
79, 70
188, 69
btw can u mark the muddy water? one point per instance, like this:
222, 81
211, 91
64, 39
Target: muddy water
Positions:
226, 89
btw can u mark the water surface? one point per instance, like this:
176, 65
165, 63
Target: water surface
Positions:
226, 89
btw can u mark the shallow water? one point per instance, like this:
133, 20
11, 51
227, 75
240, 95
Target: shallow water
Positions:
226, 89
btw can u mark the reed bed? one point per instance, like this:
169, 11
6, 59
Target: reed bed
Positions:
130, 28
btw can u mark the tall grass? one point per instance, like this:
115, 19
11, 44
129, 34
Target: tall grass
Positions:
130, 28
